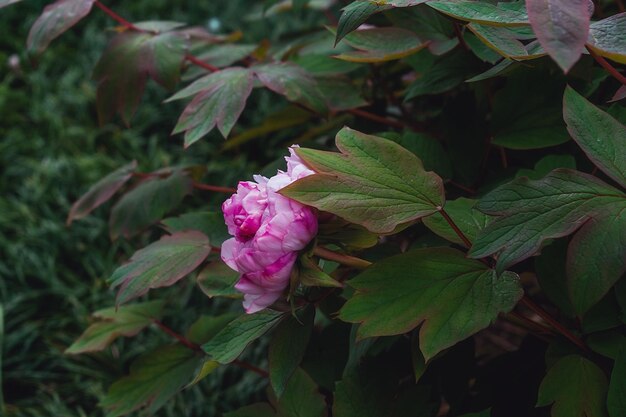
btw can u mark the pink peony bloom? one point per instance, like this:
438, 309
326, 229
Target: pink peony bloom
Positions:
269, 230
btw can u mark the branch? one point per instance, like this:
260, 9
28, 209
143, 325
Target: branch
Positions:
119, 19
201, 63
607, 66
376, 118
456, 229
340, 258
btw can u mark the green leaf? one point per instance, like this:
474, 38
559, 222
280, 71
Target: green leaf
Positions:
562, 28
55, 19
500, 40
381, 44
595, 258
154, 378
546, 164
5, 3
529, 212
462, 212
429, 150
220, 56
301, 398
607, 37
340, 93
218, 280
211, 224
356, 13
129, 60
482, 12
101, 192
206, 328
575, 387
219, 100
228, 344
599, 135
254, 410
147, 203
287, 348
311, 275
616, 400
373, 182
452, 297
114, 322
160, 264
552, 277
293, 82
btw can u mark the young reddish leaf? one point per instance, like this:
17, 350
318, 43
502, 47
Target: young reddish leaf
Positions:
160, 264
373, 182
147, 203
483, 12
607, 37
56, 19
562, 27
451, 296
575, 387
381, 44
154, 378
596, 258
115, 322
5, 3
599, 135
529, 212
101, 192
228, 344
130, 59
293, 82
219, 101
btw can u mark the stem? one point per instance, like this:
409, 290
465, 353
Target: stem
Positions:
216, 188
530, 304
459, 35
607, 66
117, 17
456, 229
376, 118
201, 63
346, 260
462, 187
177, 336
246, 365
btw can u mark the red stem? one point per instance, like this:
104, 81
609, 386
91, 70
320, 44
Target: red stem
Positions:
201, 63
607, 66
376, 118
117, 17
177, 336
456, 229
530, 304
246, 365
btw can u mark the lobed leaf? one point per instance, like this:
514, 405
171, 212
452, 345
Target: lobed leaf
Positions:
154, 378
607, 37
599, 135
228, 344
101, 192
160, 264
115, 322
381, 44
452, 297
462, 212
55, 19
373, 182
529, 212
482, 12
562, 28
147, 203
575, 387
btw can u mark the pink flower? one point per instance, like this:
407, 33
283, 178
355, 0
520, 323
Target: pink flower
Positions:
269, 230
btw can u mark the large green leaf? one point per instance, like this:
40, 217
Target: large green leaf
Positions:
253, 410
500, 40
115, 322
575, 387
381, 44
287, 347
529, 212
147, 203
373, 182
293, 82
616, 400
130, 59
218, 280
160, 264
228, 344
452, 297
607, 37
101, 192
154, 378
482, 12
562, 27
356, 13
55, 19
219, 100
600, 136
462, 212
